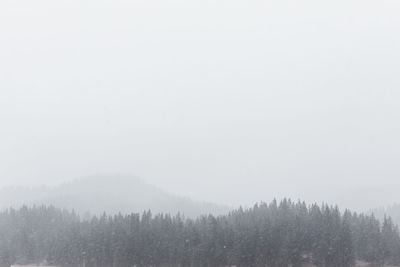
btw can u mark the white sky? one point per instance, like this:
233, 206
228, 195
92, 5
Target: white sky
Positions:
226, 101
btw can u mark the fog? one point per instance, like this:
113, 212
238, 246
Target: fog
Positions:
230, 102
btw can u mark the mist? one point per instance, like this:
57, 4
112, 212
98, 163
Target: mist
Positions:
230, 102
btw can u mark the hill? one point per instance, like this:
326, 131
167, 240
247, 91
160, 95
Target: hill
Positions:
111, 194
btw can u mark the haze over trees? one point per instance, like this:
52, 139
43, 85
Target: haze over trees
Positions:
274, 234
392, 211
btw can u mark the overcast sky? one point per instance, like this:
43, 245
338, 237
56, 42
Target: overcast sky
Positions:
226, 101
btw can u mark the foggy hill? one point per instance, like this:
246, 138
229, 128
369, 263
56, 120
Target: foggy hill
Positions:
111, 194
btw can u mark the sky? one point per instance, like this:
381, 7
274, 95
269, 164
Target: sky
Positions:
225, 101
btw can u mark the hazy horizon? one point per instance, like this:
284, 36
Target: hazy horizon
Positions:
231, 102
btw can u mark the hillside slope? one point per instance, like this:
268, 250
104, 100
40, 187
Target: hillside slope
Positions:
111, 194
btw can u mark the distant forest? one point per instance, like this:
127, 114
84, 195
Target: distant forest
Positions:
275, 234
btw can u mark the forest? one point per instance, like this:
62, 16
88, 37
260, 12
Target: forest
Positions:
276, 234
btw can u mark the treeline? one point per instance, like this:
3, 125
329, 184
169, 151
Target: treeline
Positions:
275, 234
